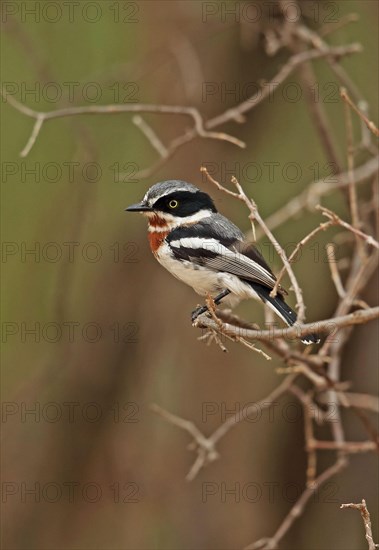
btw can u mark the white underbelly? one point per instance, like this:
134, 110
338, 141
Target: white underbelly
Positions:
203, 281
206, 281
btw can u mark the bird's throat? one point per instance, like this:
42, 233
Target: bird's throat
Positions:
156, 238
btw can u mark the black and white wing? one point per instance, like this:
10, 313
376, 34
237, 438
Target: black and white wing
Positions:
216, 243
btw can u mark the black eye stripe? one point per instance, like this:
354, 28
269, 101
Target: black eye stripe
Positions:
176, 195
188, 203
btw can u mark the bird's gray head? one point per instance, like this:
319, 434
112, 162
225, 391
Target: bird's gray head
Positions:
164, 188
175, 200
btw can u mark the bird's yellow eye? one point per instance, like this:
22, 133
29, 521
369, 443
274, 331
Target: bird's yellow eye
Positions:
173, 203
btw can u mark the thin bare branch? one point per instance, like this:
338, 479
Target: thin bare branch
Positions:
42, 117
312, 194
336, 278
149, 133
303, 242
236, 112
351, 447
369, 123
338, 221
205, 446
366, 521
350, 164
297, 510
343, 21
361, 400
254, 215
327, 326
200, 128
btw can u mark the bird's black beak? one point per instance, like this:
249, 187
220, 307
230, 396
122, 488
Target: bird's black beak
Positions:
139, 207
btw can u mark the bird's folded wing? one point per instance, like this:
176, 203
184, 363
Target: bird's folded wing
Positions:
213, 254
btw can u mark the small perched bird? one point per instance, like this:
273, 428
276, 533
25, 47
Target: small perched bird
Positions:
207, 251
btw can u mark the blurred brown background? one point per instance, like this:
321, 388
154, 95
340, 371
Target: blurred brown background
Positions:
112, 328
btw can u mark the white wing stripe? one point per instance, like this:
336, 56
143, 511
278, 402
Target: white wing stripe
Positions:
199, 242
226, 259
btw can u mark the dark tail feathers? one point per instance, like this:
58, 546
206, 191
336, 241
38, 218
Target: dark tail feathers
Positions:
283, 310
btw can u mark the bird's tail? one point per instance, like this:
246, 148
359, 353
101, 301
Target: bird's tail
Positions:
279, 306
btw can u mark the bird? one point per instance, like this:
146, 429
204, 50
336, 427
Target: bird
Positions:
205, 250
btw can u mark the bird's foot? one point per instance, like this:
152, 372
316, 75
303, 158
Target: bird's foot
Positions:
211, 305
198, 311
